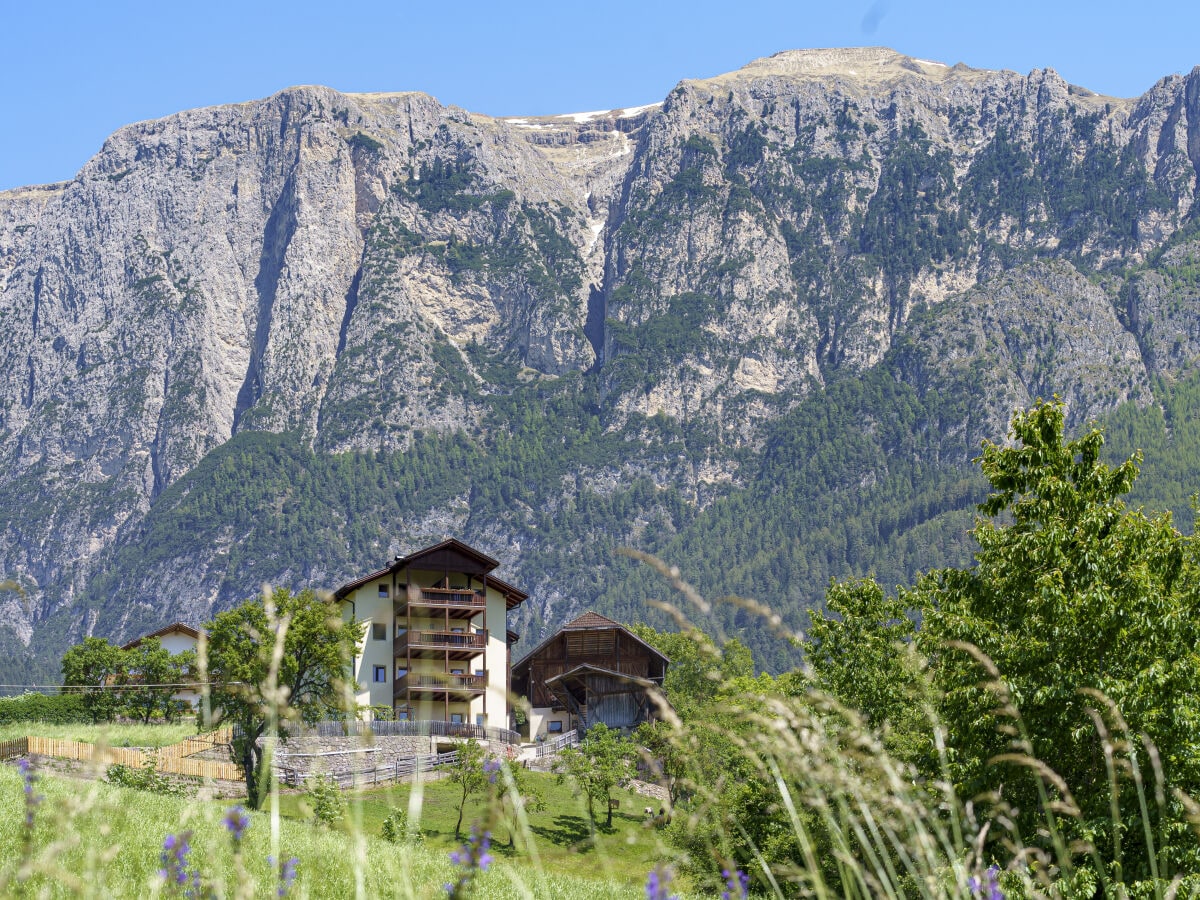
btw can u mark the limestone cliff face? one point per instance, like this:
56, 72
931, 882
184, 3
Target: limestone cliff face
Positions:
360, 270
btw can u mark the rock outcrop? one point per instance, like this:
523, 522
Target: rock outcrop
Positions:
365, 270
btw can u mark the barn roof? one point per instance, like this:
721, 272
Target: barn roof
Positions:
589, 621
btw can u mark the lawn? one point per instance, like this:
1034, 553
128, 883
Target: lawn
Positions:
115, 735
560, 837
100, 840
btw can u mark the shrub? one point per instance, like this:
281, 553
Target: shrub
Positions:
146, 778
325, 798
398, 830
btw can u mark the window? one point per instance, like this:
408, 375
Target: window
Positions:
380, 674
402, 715
479, 631
383, 592
554, 727
479, 719
457, 631
378, 631
456, 718
479, 672
456, 671
400, 672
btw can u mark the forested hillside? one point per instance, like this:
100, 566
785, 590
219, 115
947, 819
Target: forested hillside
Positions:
759, 329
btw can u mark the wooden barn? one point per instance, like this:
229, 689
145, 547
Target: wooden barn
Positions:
591, 670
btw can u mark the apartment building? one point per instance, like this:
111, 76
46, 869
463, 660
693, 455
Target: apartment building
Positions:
436, 645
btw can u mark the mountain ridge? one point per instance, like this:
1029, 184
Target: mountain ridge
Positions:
609, 321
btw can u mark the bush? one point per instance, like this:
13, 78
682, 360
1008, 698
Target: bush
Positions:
56, 709
397, 830
325, 798
147, 778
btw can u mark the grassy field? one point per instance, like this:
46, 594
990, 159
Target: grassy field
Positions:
112, 734
102, 841
560, 835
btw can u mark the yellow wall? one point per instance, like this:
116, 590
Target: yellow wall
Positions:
369, 607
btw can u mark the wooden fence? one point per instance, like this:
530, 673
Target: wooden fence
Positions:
175, 758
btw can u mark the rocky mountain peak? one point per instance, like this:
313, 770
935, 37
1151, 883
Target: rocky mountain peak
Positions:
319, 276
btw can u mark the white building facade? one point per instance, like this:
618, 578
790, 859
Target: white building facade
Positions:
435, 646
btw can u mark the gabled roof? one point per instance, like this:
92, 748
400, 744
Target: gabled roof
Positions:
438, 554
589, 621
173, 628
452, 554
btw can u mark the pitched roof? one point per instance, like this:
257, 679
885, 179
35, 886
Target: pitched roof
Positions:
589, 620
173, 628
438, 555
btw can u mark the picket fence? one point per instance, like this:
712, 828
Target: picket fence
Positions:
176, 759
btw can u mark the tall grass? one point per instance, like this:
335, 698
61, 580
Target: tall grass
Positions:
98, 840
110, 733
826, 810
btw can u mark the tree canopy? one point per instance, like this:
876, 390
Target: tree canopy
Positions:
280, 658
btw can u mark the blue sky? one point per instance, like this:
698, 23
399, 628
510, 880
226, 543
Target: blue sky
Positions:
74, 72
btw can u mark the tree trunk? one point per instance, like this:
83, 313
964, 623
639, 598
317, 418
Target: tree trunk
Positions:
251, 760
608, 802
458, 824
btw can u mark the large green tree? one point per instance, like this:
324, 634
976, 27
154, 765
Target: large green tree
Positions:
148, 667
602, 760
93, 668
859, 651
1078, 602
280, 658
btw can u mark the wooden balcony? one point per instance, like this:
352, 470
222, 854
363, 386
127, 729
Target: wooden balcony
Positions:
434, 644
460, 603
439, 683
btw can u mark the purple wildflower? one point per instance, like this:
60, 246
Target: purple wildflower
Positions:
993, 883
32, 799
989, 887
472, 857
236, 822
181, 877
658, 884
491, 768
737, 885
287, 876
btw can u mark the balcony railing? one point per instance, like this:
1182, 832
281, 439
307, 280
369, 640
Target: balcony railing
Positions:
451, 597
435, 681
439, 640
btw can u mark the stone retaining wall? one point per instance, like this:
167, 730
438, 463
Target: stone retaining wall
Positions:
334, 755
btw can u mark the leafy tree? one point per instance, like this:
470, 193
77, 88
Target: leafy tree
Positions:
667, 756
1073, 598
466, 773
147, 666
860, 656
282, 657
697, 666
95, 665
602, 760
